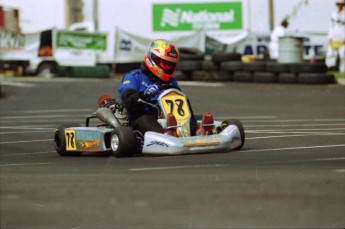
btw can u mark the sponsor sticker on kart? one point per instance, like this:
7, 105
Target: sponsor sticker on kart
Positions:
84, 140
211, 140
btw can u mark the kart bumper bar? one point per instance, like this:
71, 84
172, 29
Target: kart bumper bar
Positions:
157, 143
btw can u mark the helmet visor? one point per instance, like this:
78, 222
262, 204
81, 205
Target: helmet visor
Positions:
167, 66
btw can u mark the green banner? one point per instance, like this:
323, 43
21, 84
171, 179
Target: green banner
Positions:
81, 41
197, 16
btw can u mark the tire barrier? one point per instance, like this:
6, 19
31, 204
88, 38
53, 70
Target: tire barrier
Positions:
229, 67
287, 77
243, 76
221, 57
219, 76
265, 77
315, 78
190, 54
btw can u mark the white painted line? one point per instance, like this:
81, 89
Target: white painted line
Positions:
227, 165
37, 116
17, 84
15, 142
289, 132
292, 148
294, 135
306, 160
25, 164
29, 132
49, 80
24, 154
200, 84
31, 127
339, 170
57, 111
303, 120
44, 120
178, 167
298, 125
245, 117
48, 111
296, 129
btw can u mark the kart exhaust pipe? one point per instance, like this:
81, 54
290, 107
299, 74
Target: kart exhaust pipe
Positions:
106, 116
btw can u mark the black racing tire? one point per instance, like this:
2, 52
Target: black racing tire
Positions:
308, 68
231, 66
277, 67
189, 65
287, 78
211, 76
123, 142
265, 77
202, 76
239, 125
182, 76
223, 76
254, 67
243, 77
315, 78
190, 54
60, 140
218, 57
209, 65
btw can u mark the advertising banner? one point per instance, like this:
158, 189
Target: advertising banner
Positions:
131, 48
83, 41
257, 44
197, 16
15, 46
69, 49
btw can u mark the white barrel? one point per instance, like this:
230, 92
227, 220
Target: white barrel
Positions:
290, 50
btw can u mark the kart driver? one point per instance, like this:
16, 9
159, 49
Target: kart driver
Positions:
144, 83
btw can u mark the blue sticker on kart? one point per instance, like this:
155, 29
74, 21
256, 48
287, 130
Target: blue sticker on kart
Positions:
157, 143
235, 139
86, 135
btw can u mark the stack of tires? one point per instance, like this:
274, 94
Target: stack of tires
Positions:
305, 73
190, 61
193, 66
229, 67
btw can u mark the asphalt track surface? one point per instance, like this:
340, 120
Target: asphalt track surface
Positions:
289, 174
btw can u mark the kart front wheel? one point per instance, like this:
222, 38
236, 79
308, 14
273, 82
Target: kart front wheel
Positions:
239, 125
60, 140
123, 142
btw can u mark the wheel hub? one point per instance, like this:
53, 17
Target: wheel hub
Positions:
114, 142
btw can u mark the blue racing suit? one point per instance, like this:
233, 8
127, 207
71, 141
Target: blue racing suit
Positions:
141, 116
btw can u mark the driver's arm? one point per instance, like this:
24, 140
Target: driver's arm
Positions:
130, 98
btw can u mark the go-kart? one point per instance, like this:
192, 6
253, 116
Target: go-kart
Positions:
113, 134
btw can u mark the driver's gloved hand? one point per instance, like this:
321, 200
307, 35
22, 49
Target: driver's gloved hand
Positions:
151, 90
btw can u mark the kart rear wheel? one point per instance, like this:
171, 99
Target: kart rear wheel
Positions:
60, 140
239, 125
123, 142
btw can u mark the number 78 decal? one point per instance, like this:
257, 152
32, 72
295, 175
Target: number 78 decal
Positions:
176, 104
